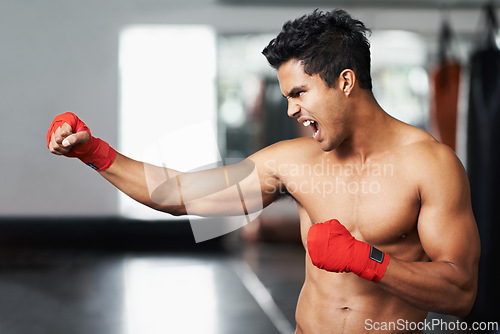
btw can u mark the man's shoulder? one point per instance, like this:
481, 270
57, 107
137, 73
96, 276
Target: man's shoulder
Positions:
292, 151
421, 146
293, 147
426, 158
301, 142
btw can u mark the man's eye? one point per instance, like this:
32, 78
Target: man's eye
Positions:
294, 95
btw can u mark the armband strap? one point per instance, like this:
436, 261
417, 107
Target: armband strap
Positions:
100, 156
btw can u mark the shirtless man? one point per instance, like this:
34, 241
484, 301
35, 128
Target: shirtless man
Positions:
385, 209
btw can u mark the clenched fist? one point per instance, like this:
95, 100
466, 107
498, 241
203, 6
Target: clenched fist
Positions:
69, 136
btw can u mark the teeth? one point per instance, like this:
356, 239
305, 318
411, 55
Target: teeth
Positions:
306, 123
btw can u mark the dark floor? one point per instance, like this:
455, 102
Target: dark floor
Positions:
253, 290
52, 292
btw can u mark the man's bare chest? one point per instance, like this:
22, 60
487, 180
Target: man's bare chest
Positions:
377, 202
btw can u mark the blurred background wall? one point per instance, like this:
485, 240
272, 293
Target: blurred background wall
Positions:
57, 56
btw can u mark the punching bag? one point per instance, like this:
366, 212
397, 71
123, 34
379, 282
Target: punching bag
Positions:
483, 167
445, 86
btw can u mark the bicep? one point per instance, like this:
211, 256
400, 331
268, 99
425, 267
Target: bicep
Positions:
446, 224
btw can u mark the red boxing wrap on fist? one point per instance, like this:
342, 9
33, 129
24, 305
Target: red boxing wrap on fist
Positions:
332, 247
95, 153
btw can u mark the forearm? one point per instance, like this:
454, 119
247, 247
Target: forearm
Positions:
228, 190
441, 287
225, 191
137, 180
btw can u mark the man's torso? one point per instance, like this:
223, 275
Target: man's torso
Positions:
377, 200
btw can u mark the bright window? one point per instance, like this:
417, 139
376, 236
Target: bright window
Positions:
168, 111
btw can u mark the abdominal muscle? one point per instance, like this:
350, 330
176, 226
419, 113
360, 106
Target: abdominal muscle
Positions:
346, 303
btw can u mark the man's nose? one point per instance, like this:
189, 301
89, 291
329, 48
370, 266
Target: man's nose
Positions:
293, 108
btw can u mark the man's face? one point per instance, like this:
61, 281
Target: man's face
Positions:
314, 104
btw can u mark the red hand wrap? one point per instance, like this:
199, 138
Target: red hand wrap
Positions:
96, 153
333, 248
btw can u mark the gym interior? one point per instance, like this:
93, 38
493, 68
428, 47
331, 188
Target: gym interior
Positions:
183, 83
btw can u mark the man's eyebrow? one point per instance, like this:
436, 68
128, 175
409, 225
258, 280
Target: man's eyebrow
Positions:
294, 91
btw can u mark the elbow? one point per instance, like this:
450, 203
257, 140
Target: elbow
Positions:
464, 300
465, 303
177, 211
467, 294
167, 198
174, 210
463, 294
458, 306
458, 299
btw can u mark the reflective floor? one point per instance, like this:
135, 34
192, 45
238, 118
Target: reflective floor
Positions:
149, 293
252, 291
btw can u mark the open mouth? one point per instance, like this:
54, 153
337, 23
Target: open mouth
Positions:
314, 127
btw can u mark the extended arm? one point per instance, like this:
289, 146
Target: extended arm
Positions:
229, 190
244, 187
129, 176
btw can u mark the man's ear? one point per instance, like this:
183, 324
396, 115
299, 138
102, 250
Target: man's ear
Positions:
346, 81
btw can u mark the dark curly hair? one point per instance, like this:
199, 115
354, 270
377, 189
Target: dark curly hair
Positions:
327, 43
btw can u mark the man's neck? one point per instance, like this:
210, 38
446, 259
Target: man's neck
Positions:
369, 131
